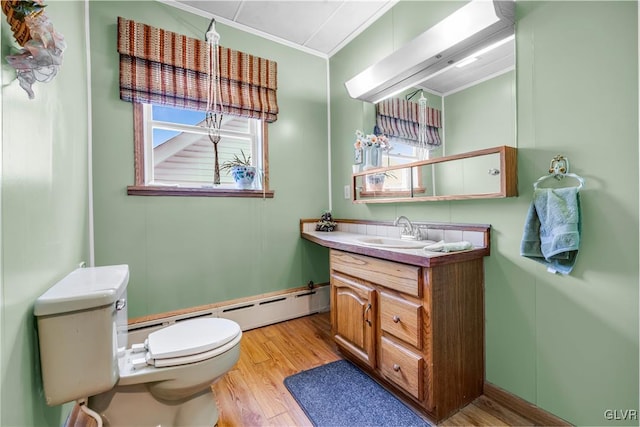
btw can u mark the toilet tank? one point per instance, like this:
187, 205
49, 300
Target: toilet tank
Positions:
82, 321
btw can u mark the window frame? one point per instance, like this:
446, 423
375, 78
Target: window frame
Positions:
141, 189
409, 177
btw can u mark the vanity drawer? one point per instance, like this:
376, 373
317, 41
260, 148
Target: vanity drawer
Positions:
401, 318
393, 275
402, 367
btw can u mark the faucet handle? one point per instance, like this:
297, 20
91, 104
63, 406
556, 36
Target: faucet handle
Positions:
408, 233
408, 230
411, 231
422, 232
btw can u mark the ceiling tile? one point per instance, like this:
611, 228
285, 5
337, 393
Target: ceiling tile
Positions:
318, 25
291, 20
340, 26
223, 9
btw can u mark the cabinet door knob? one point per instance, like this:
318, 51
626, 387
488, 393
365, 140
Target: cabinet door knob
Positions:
396, 318
396, 367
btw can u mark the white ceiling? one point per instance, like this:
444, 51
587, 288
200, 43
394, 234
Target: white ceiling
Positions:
319, 27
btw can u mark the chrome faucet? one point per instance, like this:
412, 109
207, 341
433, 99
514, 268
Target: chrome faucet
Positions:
408, 232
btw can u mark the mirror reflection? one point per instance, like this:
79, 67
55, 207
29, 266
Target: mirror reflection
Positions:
475, 108
478, 174
477, 115
464, 103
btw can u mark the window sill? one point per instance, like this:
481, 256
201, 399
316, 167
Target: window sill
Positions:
148, 190
392, 193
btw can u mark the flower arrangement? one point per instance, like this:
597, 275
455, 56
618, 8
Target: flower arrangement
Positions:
371, 140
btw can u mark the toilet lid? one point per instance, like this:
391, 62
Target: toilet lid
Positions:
190, 337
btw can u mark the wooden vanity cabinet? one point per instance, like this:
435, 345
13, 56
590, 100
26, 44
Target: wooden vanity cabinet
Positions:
417, 330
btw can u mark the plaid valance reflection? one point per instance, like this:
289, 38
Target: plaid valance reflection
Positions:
398, 118
163, 67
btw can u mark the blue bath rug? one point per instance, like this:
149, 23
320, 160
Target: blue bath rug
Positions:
340, 394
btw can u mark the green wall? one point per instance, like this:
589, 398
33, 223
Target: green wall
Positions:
566, 344
44, 216
186, 251
481, 116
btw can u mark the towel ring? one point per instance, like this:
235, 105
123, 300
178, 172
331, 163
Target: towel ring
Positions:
571, 175
558, 169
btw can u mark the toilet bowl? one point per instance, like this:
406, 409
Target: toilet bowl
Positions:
165, 381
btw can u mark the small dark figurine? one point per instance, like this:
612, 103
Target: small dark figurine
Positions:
326, 223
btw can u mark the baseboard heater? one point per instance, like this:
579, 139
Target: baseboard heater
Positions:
249, 314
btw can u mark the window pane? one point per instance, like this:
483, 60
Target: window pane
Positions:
177, 115
162, 135
189, 159
235, 124
400, 153
183, 153
403, 149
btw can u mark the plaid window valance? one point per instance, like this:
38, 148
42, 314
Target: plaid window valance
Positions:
163, 67
398, 118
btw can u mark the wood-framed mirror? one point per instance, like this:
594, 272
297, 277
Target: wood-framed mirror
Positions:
475, 95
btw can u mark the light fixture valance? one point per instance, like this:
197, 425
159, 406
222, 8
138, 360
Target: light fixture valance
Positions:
399, 118
163, 67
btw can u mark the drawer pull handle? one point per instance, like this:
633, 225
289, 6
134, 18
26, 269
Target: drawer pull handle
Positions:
396, 318
396, 367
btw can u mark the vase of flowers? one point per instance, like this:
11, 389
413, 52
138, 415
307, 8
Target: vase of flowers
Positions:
372, 147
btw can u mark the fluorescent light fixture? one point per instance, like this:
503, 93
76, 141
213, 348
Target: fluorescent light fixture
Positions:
467, 61
474, 26
474, 57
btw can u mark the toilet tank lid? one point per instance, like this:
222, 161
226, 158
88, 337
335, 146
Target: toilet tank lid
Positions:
82, 289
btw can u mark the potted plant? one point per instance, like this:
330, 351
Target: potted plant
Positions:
375, 181
241, 170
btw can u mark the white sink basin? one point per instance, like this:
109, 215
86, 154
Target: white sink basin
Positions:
388, 242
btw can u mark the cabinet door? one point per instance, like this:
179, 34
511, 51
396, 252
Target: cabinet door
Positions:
353, 317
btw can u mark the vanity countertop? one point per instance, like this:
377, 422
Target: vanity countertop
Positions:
349, 242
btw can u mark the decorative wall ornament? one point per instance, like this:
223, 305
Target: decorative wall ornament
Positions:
326, 222
42, 47
215, 110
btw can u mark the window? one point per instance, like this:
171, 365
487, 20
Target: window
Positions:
398, 180
156, 69
399, 154
174, 155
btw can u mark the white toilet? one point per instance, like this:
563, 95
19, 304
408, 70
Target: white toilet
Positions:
165, 381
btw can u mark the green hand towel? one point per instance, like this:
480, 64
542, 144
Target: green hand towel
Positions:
552, 229
441, 246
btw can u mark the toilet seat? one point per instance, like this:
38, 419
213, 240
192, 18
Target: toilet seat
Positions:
189, 341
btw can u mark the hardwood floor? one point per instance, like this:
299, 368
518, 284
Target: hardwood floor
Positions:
253, 392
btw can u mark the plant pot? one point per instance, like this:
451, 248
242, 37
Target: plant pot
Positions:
243, 176
375, 181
